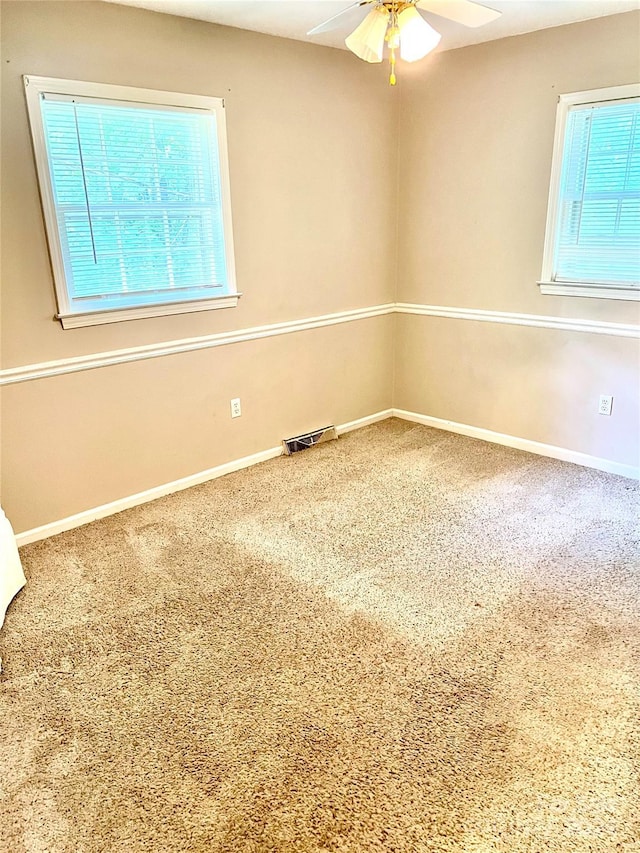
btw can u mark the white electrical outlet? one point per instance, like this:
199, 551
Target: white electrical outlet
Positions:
236, 408
605, 404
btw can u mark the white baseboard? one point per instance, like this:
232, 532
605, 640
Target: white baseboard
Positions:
55, 527
362, 422
121, 504
530, 446
85, 517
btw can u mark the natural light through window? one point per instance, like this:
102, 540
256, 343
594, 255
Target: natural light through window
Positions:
592, 245
136, 200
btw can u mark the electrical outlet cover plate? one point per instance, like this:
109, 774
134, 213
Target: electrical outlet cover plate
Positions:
606, 402
236, 408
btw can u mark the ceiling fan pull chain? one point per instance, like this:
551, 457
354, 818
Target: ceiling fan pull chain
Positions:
393, 40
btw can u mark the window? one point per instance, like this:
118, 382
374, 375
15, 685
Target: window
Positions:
135, 193
592, 244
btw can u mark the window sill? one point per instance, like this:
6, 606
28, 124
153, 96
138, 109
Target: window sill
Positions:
119, 315
552, 288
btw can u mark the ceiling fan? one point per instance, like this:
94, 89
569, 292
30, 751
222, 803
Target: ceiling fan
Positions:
399, 23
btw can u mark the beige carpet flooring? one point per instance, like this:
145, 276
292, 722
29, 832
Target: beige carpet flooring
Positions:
404, 640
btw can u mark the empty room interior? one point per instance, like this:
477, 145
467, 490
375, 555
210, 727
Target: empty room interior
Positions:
320, 426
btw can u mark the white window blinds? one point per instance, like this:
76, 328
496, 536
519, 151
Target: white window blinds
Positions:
136, 199
597, 236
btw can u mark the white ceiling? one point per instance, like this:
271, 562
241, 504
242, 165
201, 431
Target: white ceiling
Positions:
293, 18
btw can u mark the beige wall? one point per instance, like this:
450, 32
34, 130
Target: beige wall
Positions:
314, 234
84, 439
528, 382
476, 133
313, 142
306, 131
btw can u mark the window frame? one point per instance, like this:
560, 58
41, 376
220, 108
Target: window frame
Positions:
548, 285
35, 87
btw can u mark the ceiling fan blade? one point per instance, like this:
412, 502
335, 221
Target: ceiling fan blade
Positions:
461, 11
332, 22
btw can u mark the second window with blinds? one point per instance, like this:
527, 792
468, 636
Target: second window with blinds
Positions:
592, 245
136, 200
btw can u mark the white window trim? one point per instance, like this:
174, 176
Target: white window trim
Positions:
35, 87
579, 288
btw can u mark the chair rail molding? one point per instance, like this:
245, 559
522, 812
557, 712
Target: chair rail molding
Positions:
48, 369
542, 321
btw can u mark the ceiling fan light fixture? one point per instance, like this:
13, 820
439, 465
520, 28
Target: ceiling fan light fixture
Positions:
367, 40
417, 38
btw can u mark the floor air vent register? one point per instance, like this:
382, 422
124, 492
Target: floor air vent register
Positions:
303, 442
